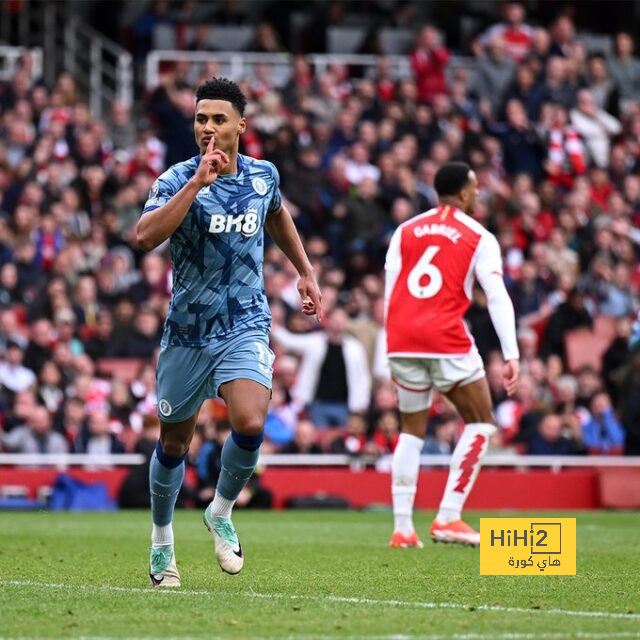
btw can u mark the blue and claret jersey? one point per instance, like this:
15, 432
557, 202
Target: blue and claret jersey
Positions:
217, 252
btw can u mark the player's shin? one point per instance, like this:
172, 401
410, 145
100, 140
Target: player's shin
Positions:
166, 474
238, 460
463, 469
404, 480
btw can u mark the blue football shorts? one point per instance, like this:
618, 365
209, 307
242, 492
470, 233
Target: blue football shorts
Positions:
187, 376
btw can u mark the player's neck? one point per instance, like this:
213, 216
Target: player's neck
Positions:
452, 202
232, 167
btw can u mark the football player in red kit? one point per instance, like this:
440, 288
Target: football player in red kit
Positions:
431, 265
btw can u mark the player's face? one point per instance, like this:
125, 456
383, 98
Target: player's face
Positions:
218, 118
470, 193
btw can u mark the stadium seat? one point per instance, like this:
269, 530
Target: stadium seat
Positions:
585, 347
164, 37
396, 41
230, 38
605, 327
344, 39
124, 368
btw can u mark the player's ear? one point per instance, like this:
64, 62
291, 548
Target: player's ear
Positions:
242, 125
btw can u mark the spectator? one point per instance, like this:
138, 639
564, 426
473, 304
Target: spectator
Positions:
595, 126
36, 436
64, 327
73, 420
494, 73
13, 375
173, 106
568, 315
562, 36
556, 88
441, 435
304, 440
549, 439
358, 167
618, 298
142, 340
525, 89
614, 359
266, 39
625, 69
386, 431
97, 438
603, 433
529, 293
353, 441
521, 146
516, 34
9, 291
334, 377
121, 127
429, 61
100, 344
566, 157
153, 287
604, 90
358, 219
50, 391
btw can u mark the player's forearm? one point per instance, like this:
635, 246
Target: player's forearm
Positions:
502, 315
284, 233
154, 227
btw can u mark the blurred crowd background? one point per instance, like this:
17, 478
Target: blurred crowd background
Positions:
548, 119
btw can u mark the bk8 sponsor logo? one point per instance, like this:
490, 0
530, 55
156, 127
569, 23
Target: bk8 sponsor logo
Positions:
244, 223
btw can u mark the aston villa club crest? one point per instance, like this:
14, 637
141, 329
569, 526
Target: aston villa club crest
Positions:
259, 186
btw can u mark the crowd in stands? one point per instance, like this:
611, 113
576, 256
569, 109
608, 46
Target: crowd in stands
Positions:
553, 133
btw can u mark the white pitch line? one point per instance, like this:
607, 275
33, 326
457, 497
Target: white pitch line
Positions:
324, 598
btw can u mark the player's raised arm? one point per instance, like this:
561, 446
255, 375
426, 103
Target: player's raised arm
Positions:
284, 233
155, 226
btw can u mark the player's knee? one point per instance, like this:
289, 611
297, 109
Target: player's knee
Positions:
472, 413
173, 448
248, 424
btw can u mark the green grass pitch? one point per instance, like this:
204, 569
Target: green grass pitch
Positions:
306, 575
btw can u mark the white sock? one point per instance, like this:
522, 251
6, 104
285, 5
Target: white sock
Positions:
221, 507
404, 481
161, 536
463, 469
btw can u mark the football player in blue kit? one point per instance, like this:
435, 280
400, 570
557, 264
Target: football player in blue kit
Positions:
213, 208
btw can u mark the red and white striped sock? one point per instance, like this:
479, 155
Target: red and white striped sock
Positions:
463, 469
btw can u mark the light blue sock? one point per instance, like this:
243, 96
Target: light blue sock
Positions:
239, 458
165, 479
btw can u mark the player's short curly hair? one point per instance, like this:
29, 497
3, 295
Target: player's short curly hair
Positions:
222, 89
451, 178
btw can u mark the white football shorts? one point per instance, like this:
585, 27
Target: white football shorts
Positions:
416, 378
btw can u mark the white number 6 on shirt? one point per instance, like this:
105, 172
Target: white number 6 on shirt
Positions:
425, 268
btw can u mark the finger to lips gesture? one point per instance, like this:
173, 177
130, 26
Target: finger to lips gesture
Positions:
212, 163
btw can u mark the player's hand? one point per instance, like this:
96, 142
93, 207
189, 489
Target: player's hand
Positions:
310, 296
211, 164
510, 375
